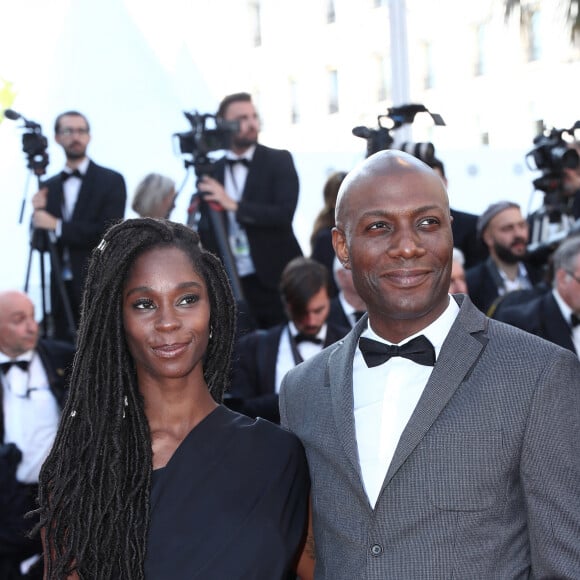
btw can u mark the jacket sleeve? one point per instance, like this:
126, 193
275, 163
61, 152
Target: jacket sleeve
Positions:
278, 201
550, 470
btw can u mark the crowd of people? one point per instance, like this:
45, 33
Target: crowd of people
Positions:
208, 402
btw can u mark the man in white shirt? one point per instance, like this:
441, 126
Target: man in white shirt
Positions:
264, 356
440, 443
32, 380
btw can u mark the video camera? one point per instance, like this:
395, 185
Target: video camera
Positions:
381, 138
34, 143
550, 224
551, 155
208, 133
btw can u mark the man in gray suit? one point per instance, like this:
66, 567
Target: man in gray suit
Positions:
459, 456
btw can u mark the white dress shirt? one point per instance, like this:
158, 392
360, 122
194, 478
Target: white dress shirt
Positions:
385, 397
31, 414
234, 182
567, 314
285, 360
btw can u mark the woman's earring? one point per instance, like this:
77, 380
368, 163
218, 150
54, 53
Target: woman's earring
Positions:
210, 332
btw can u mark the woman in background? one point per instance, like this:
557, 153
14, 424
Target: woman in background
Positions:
154, 196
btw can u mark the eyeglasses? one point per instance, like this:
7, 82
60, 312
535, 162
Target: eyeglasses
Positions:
572, 275
68, 131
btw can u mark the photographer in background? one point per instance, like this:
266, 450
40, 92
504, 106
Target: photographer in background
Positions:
257, 189
77, 204
571, 182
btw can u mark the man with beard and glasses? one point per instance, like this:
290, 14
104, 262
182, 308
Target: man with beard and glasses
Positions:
256, 187
77, 205
505, 232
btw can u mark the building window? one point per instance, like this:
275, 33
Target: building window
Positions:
482, 52
294, 103
332, 91
534, 34
255, 22
429, 71
330, 12
383, 75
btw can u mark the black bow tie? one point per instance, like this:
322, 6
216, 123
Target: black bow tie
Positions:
5, 366
65, 175
574, 320
242, 160
419, 350
307, 338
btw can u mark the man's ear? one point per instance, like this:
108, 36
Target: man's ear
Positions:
340, 247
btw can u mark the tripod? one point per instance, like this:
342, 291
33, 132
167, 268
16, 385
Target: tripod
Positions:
42, 240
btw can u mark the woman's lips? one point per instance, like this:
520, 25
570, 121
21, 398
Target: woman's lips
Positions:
170, 350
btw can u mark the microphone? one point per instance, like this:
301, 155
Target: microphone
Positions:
14, 116
363, 132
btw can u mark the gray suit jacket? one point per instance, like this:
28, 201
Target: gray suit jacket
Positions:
485, 480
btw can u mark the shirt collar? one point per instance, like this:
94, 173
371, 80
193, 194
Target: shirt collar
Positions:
436, 332
564, 308
248, 154
27, 356
321, 333
82, 167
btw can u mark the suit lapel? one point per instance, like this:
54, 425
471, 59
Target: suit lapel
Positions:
85, 193
459, 353
557, 329
340, 384
252, 186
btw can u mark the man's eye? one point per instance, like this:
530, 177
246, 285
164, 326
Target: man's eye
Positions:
378, 226
429, 222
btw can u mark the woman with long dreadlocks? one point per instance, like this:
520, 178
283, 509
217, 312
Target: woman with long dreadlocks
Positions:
150, 476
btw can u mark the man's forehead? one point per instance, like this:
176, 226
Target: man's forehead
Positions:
73, 120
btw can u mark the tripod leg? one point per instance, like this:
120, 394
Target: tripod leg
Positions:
55, 262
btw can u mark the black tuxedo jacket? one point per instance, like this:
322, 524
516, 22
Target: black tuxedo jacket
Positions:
337, 316
465, 237
266, 211
100, 203
254, 370
483, 282
542, 317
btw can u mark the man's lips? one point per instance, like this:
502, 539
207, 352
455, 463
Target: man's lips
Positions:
406, 278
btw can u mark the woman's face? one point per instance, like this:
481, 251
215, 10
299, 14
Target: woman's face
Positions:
166, 315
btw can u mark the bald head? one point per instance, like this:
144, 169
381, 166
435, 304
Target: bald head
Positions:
18, 327
390, 164
393, 231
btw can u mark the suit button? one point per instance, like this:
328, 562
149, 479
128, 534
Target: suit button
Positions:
376, 549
